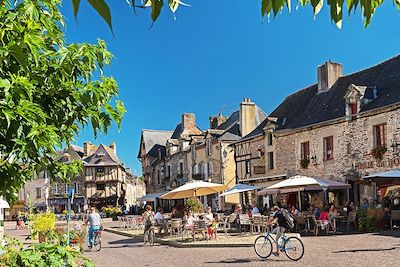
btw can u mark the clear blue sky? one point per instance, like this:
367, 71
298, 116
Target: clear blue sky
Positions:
218, 52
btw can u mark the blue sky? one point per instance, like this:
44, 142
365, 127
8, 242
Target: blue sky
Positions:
218, 52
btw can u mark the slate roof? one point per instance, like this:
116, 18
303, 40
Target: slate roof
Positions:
257, 131
108, 159
306, 107
154, 137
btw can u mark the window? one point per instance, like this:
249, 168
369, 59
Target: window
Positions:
38, 192
101, 186
328, 148
77, 188
380, 135
158, 176
209, 168
248, 167
305, 150
66, 189
353, 110
56, 189
193, 152
181, 168
100, 170
270, 160
269, 139
168, 171
208, 147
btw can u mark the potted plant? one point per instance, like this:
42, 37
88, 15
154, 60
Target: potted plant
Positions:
304, 163
378, 152
43, 225
195, 206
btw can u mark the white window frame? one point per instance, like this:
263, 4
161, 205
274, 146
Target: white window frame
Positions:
38, 190
56, 189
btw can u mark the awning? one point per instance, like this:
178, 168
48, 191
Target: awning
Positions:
152, 196
393, 174
239, 188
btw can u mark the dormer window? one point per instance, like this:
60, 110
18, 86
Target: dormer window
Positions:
100, 155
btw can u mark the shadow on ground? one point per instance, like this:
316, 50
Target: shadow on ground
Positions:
364, 250
242, 261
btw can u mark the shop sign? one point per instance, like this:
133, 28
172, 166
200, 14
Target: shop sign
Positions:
389, 163
259, 169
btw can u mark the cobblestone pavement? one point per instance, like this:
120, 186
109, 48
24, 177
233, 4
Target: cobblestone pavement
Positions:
342, 250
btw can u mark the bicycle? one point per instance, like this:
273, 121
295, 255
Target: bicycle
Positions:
292, 246
149, 236
97, 240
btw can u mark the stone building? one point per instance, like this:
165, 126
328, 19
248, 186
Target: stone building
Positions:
58, 193
211, 156
342, 127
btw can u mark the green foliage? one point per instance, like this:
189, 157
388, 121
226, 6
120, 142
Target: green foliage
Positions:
43, 223
368, 7
378, 152
194, 205
15, 255
394, 193
369, 220
49, 91
304, 163
110, 212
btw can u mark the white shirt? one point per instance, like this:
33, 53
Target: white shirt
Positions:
209, 216
255, 210
159, 217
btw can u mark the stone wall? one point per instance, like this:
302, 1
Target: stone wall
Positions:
353, 142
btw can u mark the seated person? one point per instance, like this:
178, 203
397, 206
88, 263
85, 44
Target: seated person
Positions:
212, 229
160, 220
255, 210
188, 220
209, 215
315, 211
324, 218
295, 211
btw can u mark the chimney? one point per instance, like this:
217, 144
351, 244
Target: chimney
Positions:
216, 121
86, 148
247, 116
113, 146
328, 74
188, 121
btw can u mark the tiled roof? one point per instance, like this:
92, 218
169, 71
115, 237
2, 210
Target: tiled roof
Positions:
306, 107
108, 157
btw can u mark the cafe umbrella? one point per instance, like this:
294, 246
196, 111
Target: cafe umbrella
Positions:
300, 183
194, 189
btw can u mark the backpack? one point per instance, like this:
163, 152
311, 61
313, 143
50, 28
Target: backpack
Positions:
150, 220
288, 218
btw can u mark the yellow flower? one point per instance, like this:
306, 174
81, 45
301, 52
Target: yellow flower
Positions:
68, 248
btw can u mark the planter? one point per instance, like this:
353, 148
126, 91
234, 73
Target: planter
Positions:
42, 238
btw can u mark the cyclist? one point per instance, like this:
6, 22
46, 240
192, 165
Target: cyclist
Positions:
281, 227
94, 220
148, 218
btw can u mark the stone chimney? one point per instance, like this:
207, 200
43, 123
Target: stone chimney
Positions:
216, 121
247, 116
113, 146
328, 74
86, 148
188, 121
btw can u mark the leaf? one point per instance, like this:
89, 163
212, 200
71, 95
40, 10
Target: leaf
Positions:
103, 10
397, 3
317, 5
75, 5
277, 5
266, 6
289, 5
156, 6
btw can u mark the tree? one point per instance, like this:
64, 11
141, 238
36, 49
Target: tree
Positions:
49, 90
268, 7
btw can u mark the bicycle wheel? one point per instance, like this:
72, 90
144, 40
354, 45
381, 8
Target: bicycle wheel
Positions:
263, 247
151, 237
294, 248
97, 243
